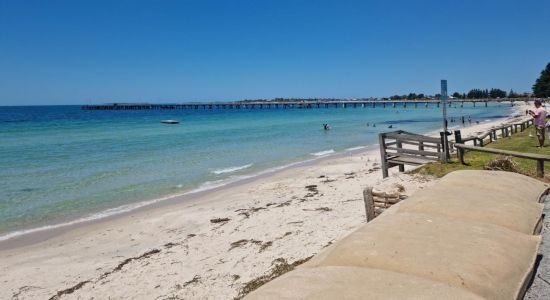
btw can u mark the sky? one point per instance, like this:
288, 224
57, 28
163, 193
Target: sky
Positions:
84, 52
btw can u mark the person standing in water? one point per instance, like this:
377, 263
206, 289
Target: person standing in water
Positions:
539, 116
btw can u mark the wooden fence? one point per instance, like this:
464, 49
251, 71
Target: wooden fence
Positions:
491, 135
537, 157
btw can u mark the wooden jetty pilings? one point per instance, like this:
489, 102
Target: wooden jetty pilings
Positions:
305, 104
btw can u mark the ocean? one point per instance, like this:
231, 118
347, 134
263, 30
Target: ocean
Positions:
61, 164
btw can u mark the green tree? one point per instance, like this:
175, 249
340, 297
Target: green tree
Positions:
476, 94
497, 93
541, 88
512, 94
457, 95
411, 96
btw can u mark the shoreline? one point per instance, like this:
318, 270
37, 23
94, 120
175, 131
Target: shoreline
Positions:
29, 236
210, 247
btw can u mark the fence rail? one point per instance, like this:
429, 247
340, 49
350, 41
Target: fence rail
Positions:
539, 158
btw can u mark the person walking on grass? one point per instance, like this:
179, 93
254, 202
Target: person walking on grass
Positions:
539, 116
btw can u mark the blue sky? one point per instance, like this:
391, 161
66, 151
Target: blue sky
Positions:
77, 52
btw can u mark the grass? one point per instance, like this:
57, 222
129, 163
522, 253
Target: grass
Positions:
520, 142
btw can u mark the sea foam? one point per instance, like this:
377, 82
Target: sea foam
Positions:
356, 148
231, 169
321, 153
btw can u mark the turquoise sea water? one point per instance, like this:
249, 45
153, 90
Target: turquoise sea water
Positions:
60, 163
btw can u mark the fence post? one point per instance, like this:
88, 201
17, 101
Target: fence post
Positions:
444, 155
384, 164
399, 145
369, 203
540, 168
459, 151
421, 146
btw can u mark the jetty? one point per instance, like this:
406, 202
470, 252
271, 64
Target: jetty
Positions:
300, 104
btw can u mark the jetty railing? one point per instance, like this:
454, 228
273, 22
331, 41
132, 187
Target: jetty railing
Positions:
539, 158
418, 150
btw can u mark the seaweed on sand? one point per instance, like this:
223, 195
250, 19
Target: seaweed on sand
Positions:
219, 220
265, 246
502, 163
286, 203
281, 267
195, 279
324, 208
243, 242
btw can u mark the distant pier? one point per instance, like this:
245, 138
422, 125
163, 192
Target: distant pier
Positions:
298, 104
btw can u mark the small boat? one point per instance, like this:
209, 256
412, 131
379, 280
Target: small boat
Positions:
170, 122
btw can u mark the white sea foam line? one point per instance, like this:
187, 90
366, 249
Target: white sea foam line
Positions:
231, 169
209, 185
356, 148
321, 153
92, 217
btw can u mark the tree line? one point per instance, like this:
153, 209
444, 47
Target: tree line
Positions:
541, 88
493, 93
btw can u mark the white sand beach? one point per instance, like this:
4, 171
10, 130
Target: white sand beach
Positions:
212, 246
